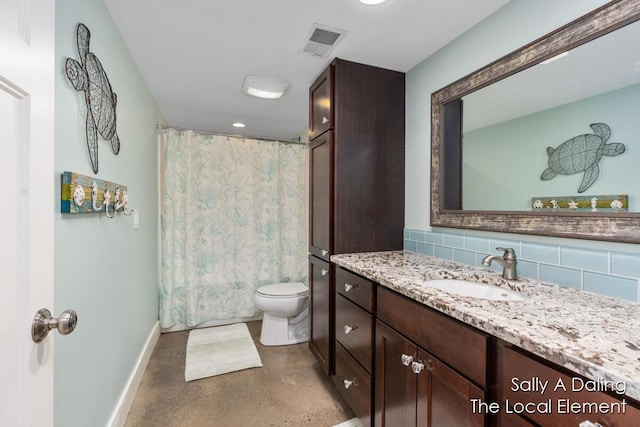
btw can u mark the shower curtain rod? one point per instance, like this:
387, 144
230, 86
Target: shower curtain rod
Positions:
158, 126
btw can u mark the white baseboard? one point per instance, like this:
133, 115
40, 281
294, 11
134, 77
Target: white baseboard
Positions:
123, 406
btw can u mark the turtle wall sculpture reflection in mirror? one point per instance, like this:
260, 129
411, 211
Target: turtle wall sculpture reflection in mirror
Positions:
582, 153
88, 76
447, 139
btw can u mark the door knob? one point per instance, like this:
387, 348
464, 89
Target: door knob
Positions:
43, 323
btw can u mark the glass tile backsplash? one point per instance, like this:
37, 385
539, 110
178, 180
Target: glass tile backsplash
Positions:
604, 272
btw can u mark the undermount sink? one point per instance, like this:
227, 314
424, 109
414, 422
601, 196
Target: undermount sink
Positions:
470, 289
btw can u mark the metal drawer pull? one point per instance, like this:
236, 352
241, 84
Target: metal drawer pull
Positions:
417, 367
588, 423
324, 120
324, 252
406, 359
349, 383
348, 287
324, 272
348, 329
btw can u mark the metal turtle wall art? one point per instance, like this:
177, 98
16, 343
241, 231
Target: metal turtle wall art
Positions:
582, 154
89, 76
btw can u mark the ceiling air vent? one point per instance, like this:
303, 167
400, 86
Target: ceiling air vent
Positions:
321, 40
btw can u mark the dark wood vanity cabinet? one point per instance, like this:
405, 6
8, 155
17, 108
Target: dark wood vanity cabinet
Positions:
537, 392
356, 172
320, 192
413, 386
354, 332
402, 363
320, 305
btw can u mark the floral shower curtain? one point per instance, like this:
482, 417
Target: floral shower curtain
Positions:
233, 219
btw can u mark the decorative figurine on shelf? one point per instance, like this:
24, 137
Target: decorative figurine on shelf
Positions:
89, 76
582, 154
616, 204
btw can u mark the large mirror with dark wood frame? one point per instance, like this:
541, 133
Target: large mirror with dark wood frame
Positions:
553, 112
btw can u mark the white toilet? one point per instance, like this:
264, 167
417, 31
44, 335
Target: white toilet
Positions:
286, 313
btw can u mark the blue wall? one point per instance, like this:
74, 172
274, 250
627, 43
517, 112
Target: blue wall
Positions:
104, 269
510, 156
602, 267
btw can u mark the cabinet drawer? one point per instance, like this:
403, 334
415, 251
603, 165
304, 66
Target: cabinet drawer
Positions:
354, 384
354, 330
520, 381
458, 345
355, 288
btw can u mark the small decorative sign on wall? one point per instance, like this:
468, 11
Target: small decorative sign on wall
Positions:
609, 203
84, 194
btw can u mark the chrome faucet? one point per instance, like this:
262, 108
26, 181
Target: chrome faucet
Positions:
507, 261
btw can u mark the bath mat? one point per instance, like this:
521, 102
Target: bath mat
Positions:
219, 350
353, 422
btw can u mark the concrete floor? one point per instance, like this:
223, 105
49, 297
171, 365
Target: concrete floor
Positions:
289, 390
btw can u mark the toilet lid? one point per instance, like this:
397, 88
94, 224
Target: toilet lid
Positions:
290, 289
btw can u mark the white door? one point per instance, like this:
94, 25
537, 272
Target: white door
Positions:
27, 34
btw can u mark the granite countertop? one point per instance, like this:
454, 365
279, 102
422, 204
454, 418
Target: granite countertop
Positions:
594, 335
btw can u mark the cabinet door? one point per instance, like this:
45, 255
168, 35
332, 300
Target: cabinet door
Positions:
395, 382
445, 397
320, 310
552, 396
320, 108
320, 187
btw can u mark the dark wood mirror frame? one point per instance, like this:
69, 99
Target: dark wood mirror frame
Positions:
446, 141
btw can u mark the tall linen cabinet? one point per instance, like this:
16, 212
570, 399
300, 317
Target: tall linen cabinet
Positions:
356, 171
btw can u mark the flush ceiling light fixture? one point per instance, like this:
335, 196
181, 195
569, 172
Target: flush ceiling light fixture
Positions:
555, 58
371, 2
238, 125
264, 87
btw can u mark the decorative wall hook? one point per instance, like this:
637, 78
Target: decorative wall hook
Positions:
125, 203
94, 197
107, 202
117, 204
78, 195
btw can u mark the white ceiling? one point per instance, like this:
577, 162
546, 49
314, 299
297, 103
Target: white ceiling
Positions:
602, 65
195, 54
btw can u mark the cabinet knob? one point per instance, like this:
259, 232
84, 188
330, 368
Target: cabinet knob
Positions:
588, 423
417, 367
325, 120
406, 359
349, 383
348, 329
324, 272
348, 287
324, 252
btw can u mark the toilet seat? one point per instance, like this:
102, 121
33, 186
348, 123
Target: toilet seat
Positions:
283, 290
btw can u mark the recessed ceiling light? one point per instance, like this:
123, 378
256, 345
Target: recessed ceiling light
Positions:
264, 87
371, 2
238, 125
